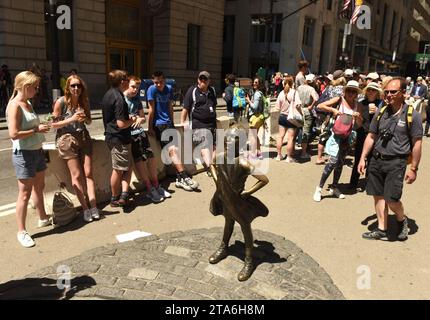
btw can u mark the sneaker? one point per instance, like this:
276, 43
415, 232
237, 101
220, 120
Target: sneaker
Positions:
180, 183
290, 160
335, 192
317, 194
279, 158
154, 195
87, 215
403, 229
25, 240
115, 203
375, 235
305, 156
95, 214
45, 222
163, 192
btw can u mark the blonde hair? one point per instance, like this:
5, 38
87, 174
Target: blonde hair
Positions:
288, 84
22, 80
83, 97
386, 81
339, 82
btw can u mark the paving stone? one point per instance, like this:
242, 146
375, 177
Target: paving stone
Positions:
105, 292
175, 266
181, 294
269, 292
124, 283
138, 295
199, 287
160, 288
172, 279
143, 273
178, 251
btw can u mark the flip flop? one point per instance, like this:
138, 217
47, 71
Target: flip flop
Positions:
318, 163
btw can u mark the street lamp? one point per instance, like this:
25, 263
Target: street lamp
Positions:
55, 59
344, 60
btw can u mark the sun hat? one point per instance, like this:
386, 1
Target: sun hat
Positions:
353, 85
310, 77
373, 76
374, 86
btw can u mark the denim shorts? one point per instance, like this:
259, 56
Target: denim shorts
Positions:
28, 162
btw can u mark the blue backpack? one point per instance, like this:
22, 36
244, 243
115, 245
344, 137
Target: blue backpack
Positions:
239, 101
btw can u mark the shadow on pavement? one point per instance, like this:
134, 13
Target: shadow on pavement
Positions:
264, 252
43, 288
78, 223
393, 228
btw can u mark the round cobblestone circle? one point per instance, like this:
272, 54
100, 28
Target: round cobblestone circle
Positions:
175, 266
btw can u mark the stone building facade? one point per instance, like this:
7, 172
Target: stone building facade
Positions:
179, 37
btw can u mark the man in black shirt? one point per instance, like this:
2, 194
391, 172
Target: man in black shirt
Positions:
117, 124
200, 105
392, 138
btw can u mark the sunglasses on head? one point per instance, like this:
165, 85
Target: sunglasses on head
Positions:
76, 85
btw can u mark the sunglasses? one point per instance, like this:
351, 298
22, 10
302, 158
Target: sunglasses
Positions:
76, 85
392, 92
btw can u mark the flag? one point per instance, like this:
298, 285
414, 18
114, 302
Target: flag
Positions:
357, 10
345, 9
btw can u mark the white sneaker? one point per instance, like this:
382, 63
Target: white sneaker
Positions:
25, 240
317, 194
180, 183
87, 215
192, 183
154, 195
44, 223
163, 192
279, 158
95, 214
335, 192
290, 160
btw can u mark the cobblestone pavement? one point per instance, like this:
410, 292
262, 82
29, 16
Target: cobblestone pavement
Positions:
175, 266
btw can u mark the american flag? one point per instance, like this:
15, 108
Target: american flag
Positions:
355, 14
345, 12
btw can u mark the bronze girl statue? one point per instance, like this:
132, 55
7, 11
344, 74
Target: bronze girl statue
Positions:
234, 202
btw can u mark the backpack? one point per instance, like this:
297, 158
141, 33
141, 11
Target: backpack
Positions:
266, 107
409, 118
211, 89
239, 101
343, 124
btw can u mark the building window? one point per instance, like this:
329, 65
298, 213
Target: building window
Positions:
393, 26
228, 31
261, 25
329, 4
193, 45
384, 21
308, 32
399, 40
122, 22
65, 36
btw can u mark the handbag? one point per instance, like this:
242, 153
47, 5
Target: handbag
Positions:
63, 209
295, 115
343, 125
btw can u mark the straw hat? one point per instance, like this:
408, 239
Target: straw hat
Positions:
374, 86
353, 85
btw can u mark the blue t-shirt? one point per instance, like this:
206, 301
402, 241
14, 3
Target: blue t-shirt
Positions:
134, 105
162, 103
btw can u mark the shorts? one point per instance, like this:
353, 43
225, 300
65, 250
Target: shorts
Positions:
28, 162
385, 178
255, 122
140, 148
74, 145
159, 129
283, 122
121, 156
204, 137
307, 125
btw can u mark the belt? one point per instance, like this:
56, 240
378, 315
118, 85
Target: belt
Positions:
378, 155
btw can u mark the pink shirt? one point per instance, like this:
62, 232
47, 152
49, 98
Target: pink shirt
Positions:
283, 104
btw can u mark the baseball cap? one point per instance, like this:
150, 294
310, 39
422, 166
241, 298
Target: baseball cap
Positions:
205, 74
337, 74
310, 77
373, 76
349, 73
420, 78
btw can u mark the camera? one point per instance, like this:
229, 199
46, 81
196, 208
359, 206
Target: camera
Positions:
386, 135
